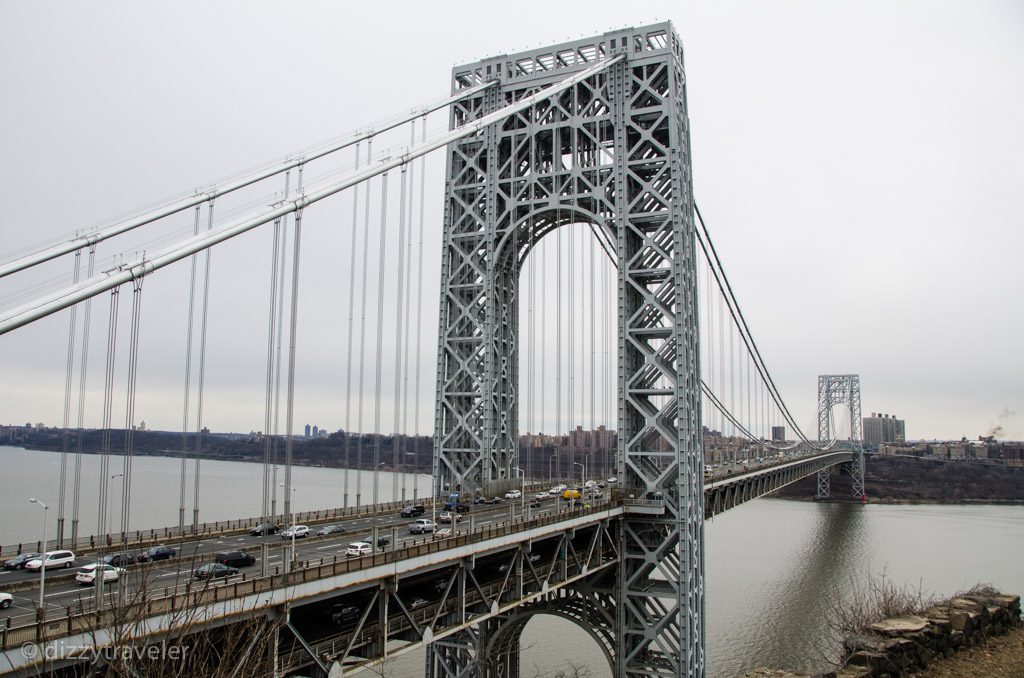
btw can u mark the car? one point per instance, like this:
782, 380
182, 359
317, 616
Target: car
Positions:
214, 571
234, 559
119, 559
157, 553
345, 614
381, 542
480, 500
418, 603
54, 559
422, 525
612, 480
5, 600
443, 533
264, 528
413, 511
589, 484
359, 548
295, 532
541, 495
493, 500
90, 573
557, 489
330, 529
448, 517
513, 494
18, 562
534, 503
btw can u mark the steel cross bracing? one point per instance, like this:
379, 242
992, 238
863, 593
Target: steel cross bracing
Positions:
611, 151
840, 389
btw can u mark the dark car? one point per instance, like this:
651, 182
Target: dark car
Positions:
345, 614
493, 500
18, 562
118, 559
264, 528
413, 511
330, 529
235, 559
157, 553
214, 571
381, 541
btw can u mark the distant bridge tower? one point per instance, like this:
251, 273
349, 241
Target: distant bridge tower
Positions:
840, 389
614, 152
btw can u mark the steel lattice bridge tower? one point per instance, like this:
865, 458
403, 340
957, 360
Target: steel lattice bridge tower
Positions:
613, 152
840, 389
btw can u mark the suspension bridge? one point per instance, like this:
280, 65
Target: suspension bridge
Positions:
578, 284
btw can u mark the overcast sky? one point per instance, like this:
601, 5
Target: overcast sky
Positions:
860, 165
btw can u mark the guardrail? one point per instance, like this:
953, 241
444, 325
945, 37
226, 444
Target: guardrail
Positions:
174, 535
179, 603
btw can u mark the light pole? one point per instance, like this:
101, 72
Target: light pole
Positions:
291, 526
110, 509
42, 568
522, 490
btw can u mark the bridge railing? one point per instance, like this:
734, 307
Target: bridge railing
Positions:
178, 604
140, 539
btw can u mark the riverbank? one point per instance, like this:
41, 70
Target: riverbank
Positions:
899, 480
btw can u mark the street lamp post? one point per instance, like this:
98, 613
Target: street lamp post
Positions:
291, 526
42, 568
583, 470
522, 490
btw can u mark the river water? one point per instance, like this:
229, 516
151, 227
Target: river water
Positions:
772, 565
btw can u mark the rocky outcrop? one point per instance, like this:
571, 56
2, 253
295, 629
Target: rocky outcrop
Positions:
899, 647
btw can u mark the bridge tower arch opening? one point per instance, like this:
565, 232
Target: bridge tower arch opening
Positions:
615, 146
840, 390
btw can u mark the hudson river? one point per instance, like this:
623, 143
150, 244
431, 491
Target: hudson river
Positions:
772, 565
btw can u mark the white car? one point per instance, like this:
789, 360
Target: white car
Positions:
359, 548
612, 480
443, 533
87, 575
541, 495
513, 494
5, 600
297, 531
557, 489
54, 559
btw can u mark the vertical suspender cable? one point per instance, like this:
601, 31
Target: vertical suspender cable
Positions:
129, 424
293, 322
188, 377
543, 347
419, 306
404, 433
108, 397
268, 438
282, 266
362, 333
558, 342
202, 374
351, 326
379, 355
66, 438
76, 493
395, 444
102, 527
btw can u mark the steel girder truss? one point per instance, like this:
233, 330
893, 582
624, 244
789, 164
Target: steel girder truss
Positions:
466, 617
613, 152
722, 496
841, 389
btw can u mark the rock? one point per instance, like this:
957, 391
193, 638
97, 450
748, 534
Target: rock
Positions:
899, 626
963, 621
854, 672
